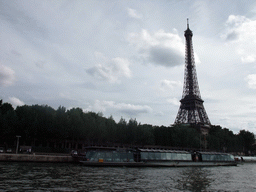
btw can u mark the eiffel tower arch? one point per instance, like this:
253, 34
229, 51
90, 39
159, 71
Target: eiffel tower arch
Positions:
191, 109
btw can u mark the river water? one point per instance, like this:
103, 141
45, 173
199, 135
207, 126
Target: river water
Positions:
73, 177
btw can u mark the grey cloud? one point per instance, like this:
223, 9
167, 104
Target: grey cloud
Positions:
92, 71
232, 36
99, 72
159, 48
166, 57
26, 25
16, 53
128, 109
7, 76
135, 112
40, 64
133, 13
88, 85
111, 70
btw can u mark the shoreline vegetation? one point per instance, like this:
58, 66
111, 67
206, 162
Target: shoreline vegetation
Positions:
50, 130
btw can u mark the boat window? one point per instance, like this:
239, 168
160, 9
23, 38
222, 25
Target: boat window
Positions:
179, 156
144, 155
206, 157
89, 154
116, 157
94, 155
168, 156
158, 156
123, 157
163, 156
100, 155
217, 157
182, 156
213, 157
231, 158
151, 156
174, 156
188, 157
210, 157
130, 156
227, 157
108, 156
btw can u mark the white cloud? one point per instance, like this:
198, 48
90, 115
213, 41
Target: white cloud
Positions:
16, 102
125, 108
167, 84
159, 48
133, 13
7, 76
110, 70
241, 32
173, 101
251, 80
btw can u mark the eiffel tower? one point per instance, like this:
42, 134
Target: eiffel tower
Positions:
191, 109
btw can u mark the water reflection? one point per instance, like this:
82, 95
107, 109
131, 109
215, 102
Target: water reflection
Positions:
194, 179
69, 177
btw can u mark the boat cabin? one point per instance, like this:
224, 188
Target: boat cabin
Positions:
215, 156
112, 154
163, 155
109, 154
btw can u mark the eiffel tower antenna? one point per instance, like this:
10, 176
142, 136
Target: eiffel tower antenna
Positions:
191, 109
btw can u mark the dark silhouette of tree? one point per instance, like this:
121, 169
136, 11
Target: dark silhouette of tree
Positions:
246, 141
43, 126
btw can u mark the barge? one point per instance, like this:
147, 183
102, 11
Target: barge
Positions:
140, 157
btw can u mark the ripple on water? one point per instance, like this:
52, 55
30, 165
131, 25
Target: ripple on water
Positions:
66, 177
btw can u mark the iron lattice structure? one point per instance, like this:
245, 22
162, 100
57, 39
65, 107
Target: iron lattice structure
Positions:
191, 109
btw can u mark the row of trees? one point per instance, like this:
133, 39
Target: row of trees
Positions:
39, 124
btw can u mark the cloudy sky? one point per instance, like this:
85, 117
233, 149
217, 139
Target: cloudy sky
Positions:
126, 58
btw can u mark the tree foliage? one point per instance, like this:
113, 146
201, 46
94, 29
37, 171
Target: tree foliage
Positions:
40, 124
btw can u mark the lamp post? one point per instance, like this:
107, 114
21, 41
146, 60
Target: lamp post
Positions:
18, 138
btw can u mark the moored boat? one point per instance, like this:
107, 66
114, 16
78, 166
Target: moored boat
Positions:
141, 157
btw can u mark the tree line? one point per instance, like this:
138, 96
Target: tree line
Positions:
39, 124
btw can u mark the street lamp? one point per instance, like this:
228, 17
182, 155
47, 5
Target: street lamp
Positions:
18, 138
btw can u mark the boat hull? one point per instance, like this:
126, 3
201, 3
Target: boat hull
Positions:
157, 164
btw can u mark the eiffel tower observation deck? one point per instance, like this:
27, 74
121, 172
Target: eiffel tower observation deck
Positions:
191, 109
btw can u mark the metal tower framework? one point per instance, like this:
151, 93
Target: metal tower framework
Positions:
191, 109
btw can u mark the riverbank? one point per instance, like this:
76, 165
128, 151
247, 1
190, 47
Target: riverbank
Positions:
51, 158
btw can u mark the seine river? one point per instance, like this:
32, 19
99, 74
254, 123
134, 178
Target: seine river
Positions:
71, 177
